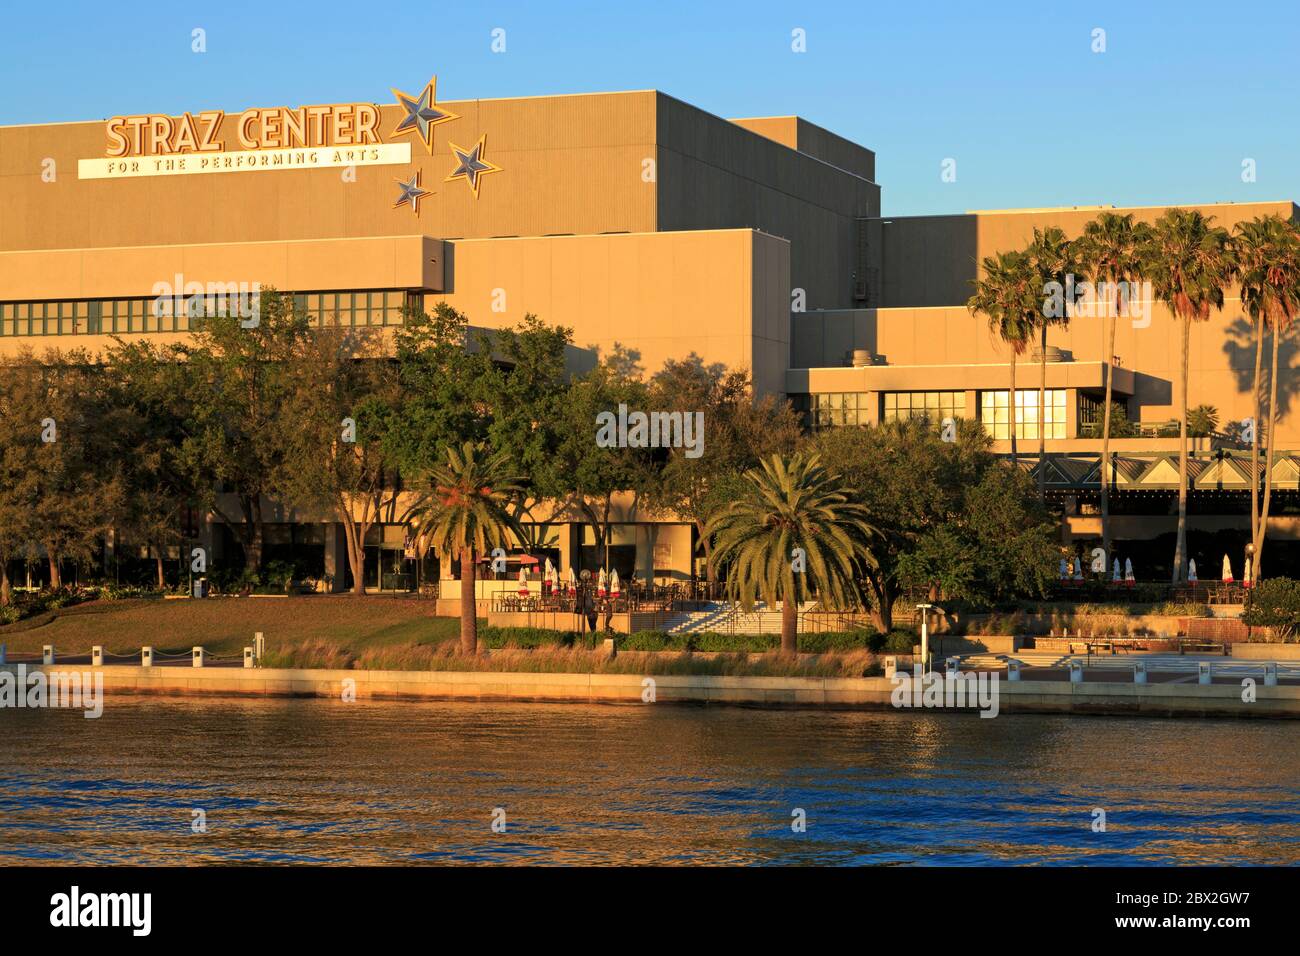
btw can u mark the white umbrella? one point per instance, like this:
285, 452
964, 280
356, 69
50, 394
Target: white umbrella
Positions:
1128, 572
614, 587
1191, 571
1065, 569
1227, 570
1078, 568
523, 581
550, 570
573, 581
1115, 575
1248, 578
601, 584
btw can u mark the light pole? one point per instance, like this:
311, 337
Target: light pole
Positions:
925, 636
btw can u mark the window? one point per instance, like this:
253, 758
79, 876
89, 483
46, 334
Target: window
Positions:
933, 406
829, 409
995, 413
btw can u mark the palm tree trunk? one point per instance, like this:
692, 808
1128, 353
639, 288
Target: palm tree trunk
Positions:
1105, 427
789, 625
6, 588
1011, 407
55, 580
1268, 459
468, 606
1180, 547
1254, 439
1042, 415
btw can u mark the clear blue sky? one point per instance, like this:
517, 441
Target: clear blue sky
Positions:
1010, 89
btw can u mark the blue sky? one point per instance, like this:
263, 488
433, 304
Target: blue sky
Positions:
1009, 89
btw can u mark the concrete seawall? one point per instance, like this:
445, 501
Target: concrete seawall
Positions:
867, 693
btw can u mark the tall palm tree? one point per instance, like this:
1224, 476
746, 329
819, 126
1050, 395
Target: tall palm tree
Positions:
1268, 256
1110, 252
1006, 292
784, 505
1190, 263
467, 509
1053, 259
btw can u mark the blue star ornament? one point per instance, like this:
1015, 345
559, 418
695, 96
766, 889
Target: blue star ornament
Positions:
421, 114
411, 193
470, 164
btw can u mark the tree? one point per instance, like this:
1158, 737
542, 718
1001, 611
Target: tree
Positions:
738, 433
1203, 421
793, 511
1052, 258
1110, 252
1007, 294
465, 508
1189, 263
341, 391
1268, 256
235, 436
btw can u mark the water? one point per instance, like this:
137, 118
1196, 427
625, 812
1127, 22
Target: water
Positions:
316, 781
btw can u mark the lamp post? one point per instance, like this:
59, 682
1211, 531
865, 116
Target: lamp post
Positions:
925, 636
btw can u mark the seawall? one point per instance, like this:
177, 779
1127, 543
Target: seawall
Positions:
865, 693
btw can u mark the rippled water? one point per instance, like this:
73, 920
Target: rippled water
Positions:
314, 781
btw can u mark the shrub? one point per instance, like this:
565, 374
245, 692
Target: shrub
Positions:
1274, 603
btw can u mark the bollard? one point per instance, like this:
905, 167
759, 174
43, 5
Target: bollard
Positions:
1203, 672
146, 657
608, 648
1139, 672
1013, 669
97, 656
1076, 672
951, 665
891, 667
199, 656
249, 660
47, 655
1270, 674
259, 646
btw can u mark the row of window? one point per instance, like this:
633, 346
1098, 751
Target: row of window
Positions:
829, 409
164, 314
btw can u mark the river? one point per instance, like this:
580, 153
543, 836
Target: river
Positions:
319, 781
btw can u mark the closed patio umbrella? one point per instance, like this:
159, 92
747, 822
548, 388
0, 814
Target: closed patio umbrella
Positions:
523, 582
1128, 572
1065, 569
1191, 571
614, 587
602, 586
1227, 570
1248, 579
1115, 575
1078, 568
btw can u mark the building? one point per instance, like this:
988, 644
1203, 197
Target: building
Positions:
632, 217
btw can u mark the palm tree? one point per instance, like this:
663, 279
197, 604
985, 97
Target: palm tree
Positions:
466, 509
1006, 292
1189, 263
1202, 421
1053, 259
1268, 256
1110, 251
782, 506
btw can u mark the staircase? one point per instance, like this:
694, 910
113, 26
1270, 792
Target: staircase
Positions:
729, 619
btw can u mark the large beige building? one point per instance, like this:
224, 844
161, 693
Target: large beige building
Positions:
633, 218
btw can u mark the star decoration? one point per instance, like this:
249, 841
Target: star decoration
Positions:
470, 164
411, 193
422, 115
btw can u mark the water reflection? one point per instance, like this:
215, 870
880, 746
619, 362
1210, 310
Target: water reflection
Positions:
289, 781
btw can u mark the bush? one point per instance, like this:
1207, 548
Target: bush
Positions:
1274, 603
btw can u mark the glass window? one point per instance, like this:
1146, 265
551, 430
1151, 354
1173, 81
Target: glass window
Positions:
995, 413
932, 406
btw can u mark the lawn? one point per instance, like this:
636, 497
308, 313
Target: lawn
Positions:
226, 625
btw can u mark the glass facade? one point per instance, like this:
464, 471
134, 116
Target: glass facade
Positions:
828, 409
995, 413
126, 316
933, 406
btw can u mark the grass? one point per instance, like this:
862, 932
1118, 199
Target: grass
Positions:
399, 633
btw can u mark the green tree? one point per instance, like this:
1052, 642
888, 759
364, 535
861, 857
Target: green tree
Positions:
466, 508
1008, 294
1110, 255
1190, 263
1268, 256
738, 433
1202, 421
793, 510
